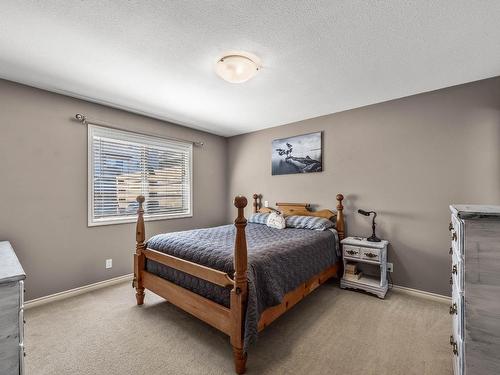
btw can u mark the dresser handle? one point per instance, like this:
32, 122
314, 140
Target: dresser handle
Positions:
453, 309
451, 251
453, 235
351, 252
371, 255
454, 269
454, 345
450, 227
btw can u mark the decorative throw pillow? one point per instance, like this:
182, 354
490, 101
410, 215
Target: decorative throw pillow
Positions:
308, 222
275, 220
259, 218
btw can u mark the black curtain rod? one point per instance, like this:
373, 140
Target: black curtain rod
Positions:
85, 120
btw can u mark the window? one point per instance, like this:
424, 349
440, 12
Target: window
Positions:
123, 165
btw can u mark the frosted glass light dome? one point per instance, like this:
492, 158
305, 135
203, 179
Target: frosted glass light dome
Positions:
237, 67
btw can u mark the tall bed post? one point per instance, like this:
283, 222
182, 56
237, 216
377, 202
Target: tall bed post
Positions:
239, 292
139, 259
340, 225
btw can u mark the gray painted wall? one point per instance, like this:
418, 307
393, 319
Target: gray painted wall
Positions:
407, 159
43, 187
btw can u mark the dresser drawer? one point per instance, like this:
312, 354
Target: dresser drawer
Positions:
9, 311
457, 272
22, 354
369, 254
456, 233
456, 346
21, 326
351, 251
9, 356
457, 313
21, 294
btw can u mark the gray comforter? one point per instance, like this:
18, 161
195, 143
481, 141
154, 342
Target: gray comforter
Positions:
279, 260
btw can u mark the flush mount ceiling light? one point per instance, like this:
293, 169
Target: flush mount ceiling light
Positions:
237, 67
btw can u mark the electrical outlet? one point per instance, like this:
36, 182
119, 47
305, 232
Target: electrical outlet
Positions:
109, 263
266, 203
390, 267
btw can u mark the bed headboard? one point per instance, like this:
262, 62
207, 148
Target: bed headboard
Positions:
288, 209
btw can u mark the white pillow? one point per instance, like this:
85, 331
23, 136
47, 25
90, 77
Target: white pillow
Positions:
276, 220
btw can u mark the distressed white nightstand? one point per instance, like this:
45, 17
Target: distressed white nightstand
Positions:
357, 249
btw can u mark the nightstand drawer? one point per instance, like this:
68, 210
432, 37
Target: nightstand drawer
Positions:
351, 251
370, 254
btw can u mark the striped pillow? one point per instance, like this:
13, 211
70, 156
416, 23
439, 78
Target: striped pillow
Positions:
259, 218
308, 222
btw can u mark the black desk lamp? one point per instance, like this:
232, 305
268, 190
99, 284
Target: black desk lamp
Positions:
373, 237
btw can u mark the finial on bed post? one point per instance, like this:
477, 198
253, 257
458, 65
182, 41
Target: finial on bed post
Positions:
239, 292
340, 225
140, 235
256, 203
139, 260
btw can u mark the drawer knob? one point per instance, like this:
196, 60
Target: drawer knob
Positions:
454, 345
371, 255
451, 251
454, 269
450, 227
453, 235
453, 309
351, 252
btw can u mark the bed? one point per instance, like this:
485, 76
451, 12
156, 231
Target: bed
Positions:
239, 278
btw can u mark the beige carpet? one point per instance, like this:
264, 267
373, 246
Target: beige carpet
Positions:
332, 331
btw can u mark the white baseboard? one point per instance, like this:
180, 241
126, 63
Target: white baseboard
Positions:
120, 279
421, 293
74, 292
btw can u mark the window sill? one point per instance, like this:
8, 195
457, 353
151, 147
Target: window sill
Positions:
129, 220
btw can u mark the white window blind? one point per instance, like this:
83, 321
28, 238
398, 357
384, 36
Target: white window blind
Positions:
123, 165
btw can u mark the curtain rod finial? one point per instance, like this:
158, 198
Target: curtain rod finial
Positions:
81, 117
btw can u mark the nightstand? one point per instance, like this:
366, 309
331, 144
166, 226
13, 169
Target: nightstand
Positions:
359, 250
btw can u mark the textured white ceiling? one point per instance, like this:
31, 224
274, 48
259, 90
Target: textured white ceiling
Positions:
319, 57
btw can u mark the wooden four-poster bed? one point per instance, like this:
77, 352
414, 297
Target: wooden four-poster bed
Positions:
228, 319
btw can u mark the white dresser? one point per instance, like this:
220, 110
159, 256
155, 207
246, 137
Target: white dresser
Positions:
475, 279
11, 312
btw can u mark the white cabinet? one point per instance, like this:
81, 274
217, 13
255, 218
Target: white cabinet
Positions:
475, 279
11, 312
